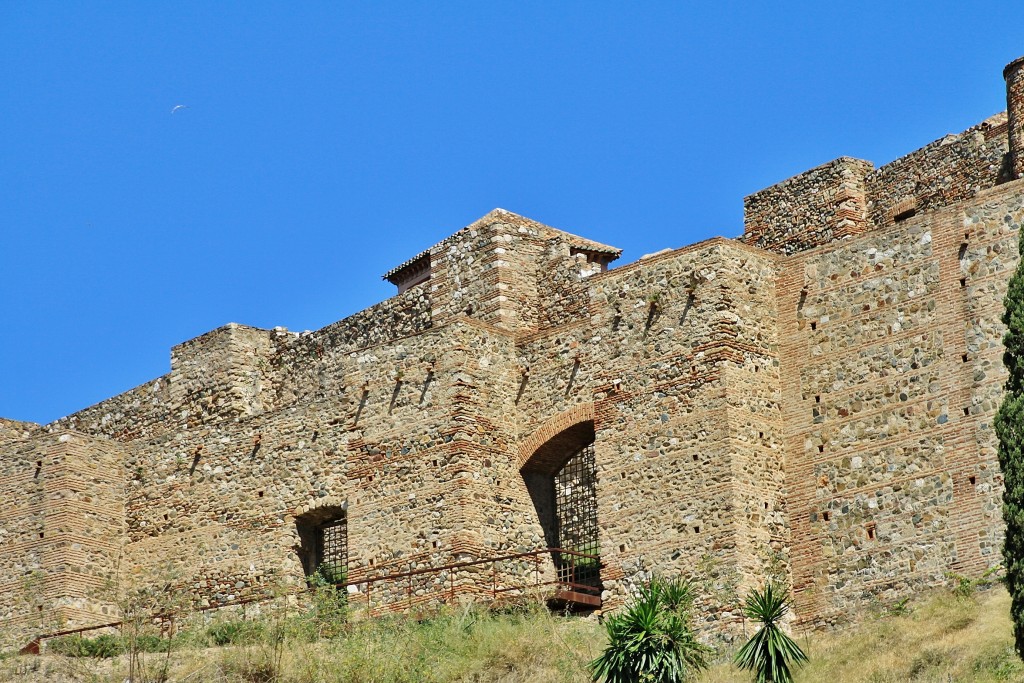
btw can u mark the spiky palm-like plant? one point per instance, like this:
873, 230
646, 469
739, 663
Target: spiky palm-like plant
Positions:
769, 652
652, 641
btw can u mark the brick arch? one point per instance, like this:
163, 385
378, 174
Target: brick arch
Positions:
549, 445
319, 507
311, 520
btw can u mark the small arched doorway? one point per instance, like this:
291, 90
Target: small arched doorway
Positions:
561, 477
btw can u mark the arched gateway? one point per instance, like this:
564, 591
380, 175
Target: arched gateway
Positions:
559, 467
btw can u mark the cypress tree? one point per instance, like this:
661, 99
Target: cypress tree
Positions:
1009, 425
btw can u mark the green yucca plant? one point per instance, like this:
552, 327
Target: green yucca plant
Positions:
769, 652
652, 640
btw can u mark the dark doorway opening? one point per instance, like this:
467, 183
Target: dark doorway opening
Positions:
324, 545
562, 480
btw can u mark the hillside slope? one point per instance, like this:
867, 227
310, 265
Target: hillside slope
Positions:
935, 640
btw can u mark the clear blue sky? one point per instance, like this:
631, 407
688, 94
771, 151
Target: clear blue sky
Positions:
321, 146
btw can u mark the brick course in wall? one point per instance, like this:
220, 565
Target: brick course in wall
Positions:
812, 401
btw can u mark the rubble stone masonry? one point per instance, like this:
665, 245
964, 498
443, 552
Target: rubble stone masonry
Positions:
812, 402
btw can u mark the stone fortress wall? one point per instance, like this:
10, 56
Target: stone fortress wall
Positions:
813, 400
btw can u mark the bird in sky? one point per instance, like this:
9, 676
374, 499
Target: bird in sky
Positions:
176, 107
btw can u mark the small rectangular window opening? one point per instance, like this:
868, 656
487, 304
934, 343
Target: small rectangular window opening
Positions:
871, 532
817, 398
814, 325
821, 448
967, 411
826, 515
963, 282
696, 529
972, 479
963, 358
904, 215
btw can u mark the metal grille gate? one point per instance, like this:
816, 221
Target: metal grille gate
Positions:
576, 517
332, 551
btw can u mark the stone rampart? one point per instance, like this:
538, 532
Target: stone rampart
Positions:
949, 170
816, 207
62, 531
848, 197
812, 403
889, 440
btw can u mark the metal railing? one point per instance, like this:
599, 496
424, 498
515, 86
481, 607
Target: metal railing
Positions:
573, 576
575, 572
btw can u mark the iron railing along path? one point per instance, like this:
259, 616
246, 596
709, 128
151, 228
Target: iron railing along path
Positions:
575, 583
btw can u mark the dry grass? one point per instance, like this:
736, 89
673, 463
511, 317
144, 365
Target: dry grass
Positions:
942, 639
466, 644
